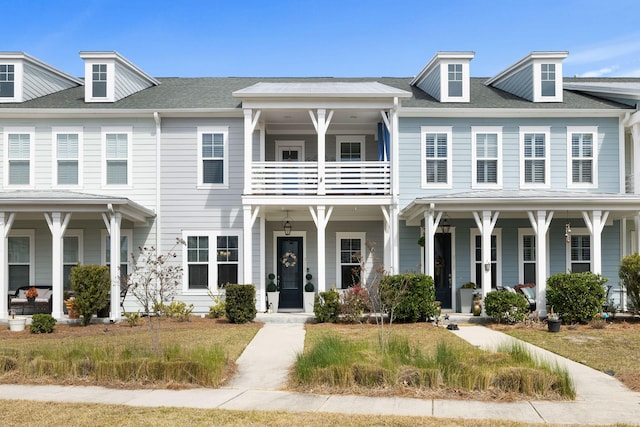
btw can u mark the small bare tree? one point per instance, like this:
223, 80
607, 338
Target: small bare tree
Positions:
154, 282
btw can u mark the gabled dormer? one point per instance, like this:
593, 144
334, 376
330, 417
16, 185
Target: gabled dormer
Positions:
536, 77
23, 77
446, 76
110, 77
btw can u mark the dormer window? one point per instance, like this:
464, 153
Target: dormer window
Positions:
7, 79
99, 80
455, 80
548, 79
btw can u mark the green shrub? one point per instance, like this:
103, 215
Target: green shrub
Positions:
355, 303
241, 303
506, 307
42, 324
326, 306
410, 296
629, 273
178, 310
576, 297
132, 318
218, 309
91, 285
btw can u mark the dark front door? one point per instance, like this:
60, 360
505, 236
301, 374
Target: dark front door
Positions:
442, 268
290, 271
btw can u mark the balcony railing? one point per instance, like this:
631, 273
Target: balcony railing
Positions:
302, 178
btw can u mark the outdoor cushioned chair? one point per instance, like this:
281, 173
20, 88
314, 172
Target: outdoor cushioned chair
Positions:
526, 289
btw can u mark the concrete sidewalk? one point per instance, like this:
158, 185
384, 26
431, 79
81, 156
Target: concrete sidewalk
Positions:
263, 369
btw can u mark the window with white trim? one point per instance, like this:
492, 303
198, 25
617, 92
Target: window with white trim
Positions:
436, 149
477, 266
213, 154
534, 160
66, 154
117, 155
350, 251
455, 79
527, 256
19, 155
99, 80
350, 148
582, 160
126, 238
21, 256
71, 255
205, 270
486, 157
548, 79
7, 81
579, 251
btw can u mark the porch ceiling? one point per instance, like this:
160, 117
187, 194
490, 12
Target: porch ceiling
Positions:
299, 213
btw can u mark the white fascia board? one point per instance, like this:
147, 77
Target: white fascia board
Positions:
311, 200
319, 103
93, 113
510, 112
523, 62
435, 60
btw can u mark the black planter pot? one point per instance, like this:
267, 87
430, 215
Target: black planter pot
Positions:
554, 325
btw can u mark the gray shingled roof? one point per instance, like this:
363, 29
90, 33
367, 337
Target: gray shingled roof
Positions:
216, 93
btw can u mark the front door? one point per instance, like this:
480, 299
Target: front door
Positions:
442, 268
289, 261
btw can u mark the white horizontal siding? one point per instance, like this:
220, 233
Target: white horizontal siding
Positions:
39, 82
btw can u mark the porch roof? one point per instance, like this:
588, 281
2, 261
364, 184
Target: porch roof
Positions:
520, 201
309, 89
36, 201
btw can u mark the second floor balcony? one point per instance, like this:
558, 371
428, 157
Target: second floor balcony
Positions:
331, 178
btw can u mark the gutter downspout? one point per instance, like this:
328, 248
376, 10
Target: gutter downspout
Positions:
158, 120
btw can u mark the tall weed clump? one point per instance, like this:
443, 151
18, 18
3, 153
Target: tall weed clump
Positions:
629, 273
576, 297
240, 303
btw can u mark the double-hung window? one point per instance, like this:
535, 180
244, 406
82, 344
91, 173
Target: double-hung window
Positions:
535, 168
350, 257
487, 159
7, 80
211, 259
126, 237
579, 252
548, 79
67, 148
350, 148
72, 255
527, 255
20, 258
117, 155
436, 151
455, 79
19, 154
99, 80
213, 152
581, 154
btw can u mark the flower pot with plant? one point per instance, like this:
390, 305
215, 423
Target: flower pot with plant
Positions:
477, 304
309, 294
31, 294
553, 321
16, 323
273, 295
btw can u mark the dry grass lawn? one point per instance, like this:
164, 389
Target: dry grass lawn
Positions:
614, 348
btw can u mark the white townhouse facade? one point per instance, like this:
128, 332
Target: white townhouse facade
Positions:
509, 179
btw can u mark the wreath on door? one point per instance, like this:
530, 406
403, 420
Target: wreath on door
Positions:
289, 259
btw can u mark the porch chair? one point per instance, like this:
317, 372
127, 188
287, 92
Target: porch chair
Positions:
526, 289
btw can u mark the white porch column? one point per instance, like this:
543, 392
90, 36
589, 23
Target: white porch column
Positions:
430, 226
250, 122
57, 225
595, 222
5, 226
321, 123
386, 247
486, 225
635, 135
248, 220
636, 220
113, 223
321, 218
540, 223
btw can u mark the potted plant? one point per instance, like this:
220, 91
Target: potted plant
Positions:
273, 295
16, 323
309, 294
465, 293
71, 308
31, 294
477, 304
553, 321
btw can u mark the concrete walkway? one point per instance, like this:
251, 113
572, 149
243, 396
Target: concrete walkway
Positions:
263, 369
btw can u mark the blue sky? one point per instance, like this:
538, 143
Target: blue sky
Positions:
343, 38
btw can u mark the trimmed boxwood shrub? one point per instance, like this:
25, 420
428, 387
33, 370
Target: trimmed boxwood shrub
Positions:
629, 274
91, 285
506, 307
240, 303
42, 324
326, 306
412, 294
576, 297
